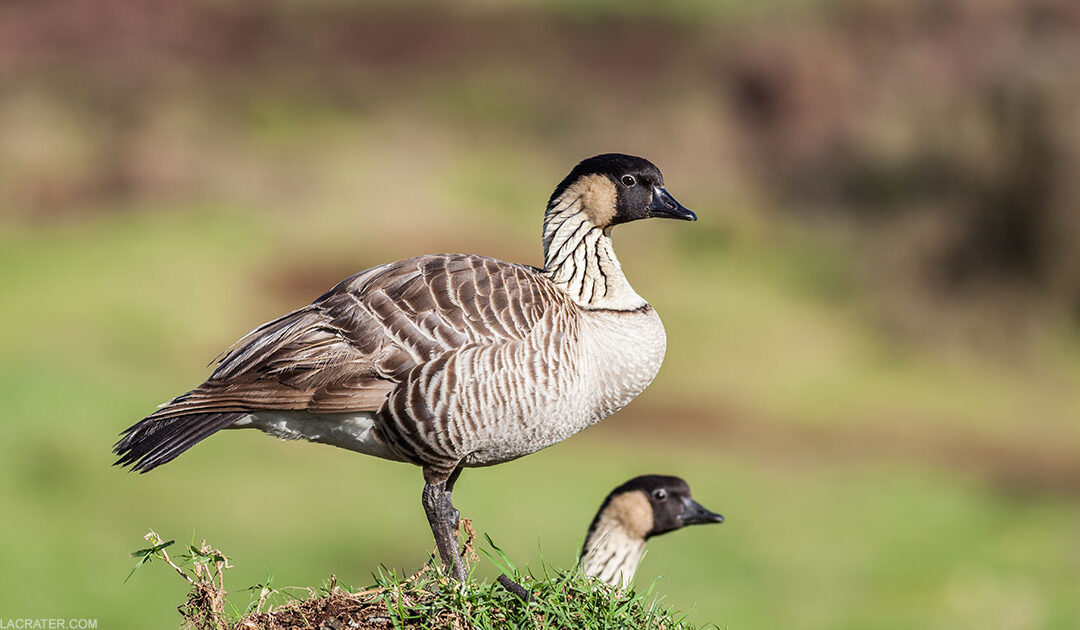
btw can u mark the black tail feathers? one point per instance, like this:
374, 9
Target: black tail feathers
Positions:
154, 440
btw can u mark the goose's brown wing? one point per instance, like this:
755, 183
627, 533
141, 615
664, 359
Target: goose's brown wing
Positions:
347, 350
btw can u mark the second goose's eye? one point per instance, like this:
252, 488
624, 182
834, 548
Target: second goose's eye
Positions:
660, 494
628, 180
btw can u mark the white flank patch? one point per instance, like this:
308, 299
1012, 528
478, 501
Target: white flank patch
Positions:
352, 431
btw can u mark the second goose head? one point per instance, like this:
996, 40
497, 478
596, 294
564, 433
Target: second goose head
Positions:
642, 507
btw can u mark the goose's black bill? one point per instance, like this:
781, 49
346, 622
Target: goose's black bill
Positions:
665, 206
697, 514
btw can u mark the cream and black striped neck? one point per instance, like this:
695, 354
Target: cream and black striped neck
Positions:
612, 553
580, 260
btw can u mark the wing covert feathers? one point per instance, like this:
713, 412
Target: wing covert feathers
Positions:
350, 348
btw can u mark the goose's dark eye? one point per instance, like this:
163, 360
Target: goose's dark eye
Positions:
660, 494
628, 180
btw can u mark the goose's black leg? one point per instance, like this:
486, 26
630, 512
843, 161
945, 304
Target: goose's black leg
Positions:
449, 493
442, 517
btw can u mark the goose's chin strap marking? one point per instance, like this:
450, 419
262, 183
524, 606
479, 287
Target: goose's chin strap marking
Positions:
579, 258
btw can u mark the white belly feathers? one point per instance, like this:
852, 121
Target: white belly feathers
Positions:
352, 431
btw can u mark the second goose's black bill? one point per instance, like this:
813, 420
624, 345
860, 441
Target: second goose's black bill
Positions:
664, 205
696, 514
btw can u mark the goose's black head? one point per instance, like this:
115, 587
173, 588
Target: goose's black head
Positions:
650, 505
615, 188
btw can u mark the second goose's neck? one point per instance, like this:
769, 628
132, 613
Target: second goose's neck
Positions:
612, 553
579, 259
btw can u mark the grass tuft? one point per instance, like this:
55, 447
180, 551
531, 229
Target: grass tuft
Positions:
559, 599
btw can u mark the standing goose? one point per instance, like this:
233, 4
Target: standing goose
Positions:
643, 507
448, 361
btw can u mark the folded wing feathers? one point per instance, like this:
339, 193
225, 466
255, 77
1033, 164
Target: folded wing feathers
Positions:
346, 351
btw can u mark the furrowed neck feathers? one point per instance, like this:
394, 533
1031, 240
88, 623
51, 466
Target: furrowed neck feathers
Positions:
578, 253
615, 543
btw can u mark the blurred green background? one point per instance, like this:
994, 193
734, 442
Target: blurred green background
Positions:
874, 329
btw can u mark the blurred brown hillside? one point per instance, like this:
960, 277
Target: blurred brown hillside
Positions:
873, 361
943, 135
